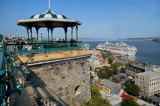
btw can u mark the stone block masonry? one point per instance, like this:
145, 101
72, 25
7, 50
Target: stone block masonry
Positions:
69, 79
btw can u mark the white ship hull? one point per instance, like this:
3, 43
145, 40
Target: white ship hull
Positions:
118, 48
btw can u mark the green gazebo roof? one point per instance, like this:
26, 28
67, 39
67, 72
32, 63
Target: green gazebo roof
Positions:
48, 19
49, 14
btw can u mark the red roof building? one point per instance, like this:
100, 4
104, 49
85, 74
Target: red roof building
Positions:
125, 95
99, 56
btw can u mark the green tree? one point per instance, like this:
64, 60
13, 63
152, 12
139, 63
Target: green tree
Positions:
122, 70
115, 71
146, 99
6, 38
105, 68
116, 65
132, 89
90, 68
110, 59
104, 72
116, 80
129, 102
91, 77
96, 98
129, 64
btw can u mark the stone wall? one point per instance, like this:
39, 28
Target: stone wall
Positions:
70, 80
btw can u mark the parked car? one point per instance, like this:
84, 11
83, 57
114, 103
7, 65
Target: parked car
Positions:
150, 100
158, 95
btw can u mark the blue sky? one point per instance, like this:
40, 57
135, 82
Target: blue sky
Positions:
102, 19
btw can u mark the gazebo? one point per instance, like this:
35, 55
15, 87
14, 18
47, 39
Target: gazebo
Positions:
51, 20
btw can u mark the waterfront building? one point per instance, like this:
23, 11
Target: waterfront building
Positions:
135, 67
108, 86
153, 68
149, 82
97, 61
131, 69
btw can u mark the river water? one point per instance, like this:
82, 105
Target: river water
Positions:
148, 52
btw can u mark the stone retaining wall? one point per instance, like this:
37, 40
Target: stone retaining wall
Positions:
70, 80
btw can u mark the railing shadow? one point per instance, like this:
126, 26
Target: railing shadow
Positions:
36, 82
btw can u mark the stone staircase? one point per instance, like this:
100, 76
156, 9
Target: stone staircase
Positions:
32, 95
39, 97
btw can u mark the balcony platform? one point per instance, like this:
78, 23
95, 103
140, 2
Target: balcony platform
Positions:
42, 58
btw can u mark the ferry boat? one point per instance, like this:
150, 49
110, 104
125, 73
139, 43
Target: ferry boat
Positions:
119, 48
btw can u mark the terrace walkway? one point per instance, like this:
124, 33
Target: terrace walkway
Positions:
15, 55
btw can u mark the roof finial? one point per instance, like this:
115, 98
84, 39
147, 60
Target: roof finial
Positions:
49, 4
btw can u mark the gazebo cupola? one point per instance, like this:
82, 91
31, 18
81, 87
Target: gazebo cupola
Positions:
49, 20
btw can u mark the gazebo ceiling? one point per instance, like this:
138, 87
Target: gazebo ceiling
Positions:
48, 19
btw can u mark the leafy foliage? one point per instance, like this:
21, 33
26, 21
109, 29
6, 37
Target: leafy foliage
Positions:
96, 98
110, 59
122, 70
105, 52
129, 102
91, 77
116, 80
129, 64
115, 71
104, 73
116, 65
90, 68
132, 89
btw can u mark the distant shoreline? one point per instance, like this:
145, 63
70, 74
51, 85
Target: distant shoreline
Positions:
154, 40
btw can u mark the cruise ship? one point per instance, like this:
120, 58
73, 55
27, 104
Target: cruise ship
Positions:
119, 48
